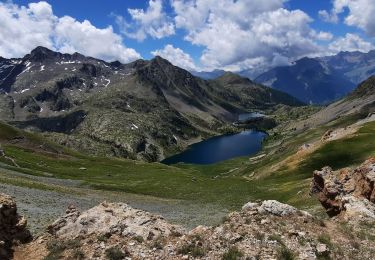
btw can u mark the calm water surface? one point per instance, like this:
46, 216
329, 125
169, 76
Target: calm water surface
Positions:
220, 148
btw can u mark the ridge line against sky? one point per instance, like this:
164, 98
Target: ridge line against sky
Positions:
193, 34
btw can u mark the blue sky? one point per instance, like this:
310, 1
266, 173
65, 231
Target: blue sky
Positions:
194, 34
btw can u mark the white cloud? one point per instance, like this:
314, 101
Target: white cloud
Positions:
195, 13
152, 22
72, 35
26, 27
177, 56
323, 36
351, 42
241, 33
23, 28
328, 17
361, 14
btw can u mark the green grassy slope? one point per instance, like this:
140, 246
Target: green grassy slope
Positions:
226, 183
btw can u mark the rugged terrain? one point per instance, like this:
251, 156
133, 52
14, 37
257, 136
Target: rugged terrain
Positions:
46, 177
189, 194
323, 79
360, 103
347, 193
308, 79
12, 227
143, 110
261, 230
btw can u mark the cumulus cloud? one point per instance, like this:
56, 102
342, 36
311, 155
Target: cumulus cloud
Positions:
322, 36
241, 33
360, 14
177, 56
328, 17
25, 27
153, 22
351, 42
72, 35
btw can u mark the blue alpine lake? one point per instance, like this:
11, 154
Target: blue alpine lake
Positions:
220, 148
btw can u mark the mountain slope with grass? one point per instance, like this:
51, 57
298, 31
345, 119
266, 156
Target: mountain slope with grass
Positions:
48, 172
144, 110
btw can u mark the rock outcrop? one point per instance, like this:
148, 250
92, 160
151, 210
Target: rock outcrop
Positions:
12, 227
261, 230
347, 193
112, 219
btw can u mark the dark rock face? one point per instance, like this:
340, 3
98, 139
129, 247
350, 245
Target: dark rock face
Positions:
90, 69
59, 124
12, 227
347, 192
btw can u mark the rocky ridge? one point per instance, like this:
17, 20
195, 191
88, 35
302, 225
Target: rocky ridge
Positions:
347, 193
12, 227
261, 230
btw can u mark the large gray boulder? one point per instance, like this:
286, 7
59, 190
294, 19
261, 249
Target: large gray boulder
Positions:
276, 208
112, 218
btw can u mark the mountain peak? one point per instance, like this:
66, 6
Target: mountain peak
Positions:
306, 61
161, 61
233, 78
41, 53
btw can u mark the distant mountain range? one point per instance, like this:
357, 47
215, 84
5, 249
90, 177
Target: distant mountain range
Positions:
313, 80
310, 80
143, 110
321, 80
208, 74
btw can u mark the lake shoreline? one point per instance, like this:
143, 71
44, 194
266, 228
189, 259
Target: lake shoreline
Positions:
220, 148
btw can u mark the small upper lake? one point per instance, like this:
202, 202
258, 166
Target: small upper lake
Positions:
248, 116
220, 148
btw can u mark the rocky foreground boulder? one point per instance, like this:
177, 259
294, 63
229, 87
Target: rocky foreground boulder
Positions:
12, 227
347, 193
261, 230
110, 219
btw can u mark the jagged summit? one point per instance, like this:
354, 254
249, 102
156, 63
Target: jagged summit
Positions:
44, 54
40, 54
160, 59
